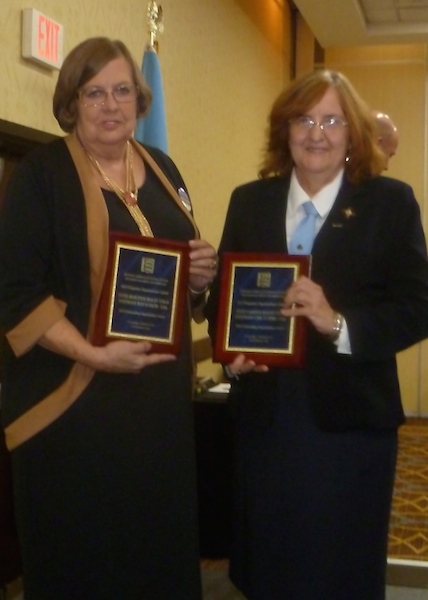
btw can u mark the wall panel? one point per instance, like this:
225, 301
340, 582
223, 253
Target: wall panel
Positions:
221, 69
392, 79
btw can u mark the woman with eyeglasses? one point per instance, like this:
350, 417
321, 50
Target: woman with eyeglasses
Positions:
316, 445
101, 436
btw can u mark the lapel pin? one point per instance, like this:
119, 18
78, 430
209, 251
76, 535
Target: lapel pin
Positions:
349, 212
184, 199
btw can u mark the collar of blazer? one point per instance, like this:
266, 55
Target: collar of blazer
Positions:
270, 196
350, 202
267, 199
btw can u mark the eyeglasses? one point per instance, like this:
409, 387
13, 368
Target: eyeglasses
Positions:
327, 124
95, 96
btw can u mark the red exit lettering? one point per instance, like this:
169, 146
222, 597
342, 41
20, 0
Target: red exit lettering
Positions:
47, 39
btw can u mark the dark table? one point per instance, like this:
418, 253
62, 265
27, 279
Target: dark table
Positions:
213, 431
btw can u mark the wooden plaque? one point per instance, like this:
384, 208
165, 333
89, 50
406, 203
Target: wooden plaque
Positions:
252, 292
145, 292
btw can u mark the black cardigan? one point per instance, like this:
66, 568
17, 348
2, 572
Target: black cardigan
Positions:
44, 239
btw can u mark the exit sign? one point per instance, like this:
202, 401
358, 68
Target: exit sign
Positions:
41, 39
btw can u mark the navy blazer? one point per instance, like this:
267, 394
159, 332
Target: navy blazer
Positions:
370, 259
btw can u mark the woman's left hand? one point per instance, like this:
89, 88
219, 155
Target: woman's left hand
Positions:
306, 298
203, 265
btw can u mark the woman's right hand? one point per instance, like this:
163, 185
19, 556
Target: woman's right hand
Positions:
241, 366
127, 357
116, 357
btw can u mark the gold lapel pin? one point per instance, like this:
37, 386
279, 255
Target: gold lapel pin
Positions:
349, 212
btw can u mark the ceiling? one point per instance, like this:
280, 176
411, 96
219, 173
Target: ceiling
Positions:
366, 22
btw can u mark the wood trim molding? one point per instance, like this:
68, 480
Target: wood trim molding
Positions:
17, 140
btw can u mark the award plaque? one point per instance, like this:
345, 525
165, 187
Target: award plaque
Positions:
144, 294
253, 286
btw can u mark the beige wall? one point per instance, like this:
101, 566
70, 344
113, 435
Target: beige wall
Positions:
222, 67
393, 79
223, 62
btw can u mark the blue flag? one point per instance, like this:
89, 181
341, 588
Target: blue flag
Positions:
152, 129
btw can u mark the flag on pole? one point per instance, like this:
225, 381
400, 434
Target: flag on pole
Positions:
151, 129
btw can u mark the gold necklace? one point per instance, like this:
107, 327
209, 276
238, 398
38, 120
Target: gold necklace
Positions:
129, 196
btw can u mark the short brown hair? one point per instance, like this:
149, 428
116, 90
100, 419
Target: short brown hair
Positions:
84, 62
365, 158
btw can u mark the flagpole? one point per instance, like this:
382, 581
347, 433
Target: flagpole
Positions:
152, 129
154, 22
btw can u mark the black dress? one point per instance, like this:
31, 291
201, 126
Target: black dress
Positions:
106, 494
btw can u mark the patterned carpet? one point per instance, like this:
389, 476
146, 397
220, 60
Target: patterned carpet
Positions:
408, 536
